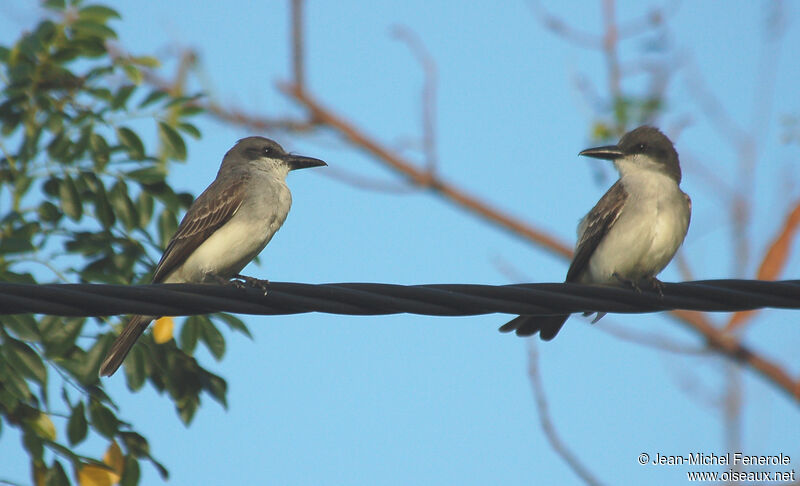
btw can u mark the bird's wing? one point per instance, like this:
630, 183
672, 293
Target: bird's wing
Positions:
212, 209
595, 226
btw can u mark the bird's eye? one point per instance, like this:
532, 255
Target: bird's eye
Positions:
267, 150
642, 147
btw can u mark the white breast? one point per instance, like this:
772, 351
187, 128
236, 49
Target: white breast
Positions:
229, 249
647, 233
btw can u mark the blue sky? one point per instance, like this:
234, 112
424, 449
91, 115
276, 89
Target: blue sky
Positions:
325, 399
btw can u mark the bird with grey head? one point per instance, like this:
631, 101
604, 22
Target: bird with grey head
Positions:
635, 229
225, 228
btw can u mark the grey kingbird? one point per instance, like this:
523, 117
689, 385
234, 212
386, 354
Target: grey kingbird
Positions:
635, 229
225, 228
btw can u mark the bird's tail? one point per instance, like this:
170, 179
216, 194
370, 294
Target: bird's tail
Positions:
123, 344
546, 326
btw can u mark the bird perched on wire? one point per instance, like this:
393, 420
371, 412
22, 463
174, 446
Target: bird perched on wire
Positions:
225, 228
635, 229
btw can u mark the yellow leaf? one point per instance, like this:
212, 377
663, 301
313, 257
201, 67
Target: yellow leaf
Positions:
113, 457
162, 330
43, 426
39, 471
91, 475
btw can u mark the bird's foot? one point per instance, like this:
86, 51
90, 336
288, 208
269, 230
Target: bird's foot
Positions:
627, 282
656, 284
648, 283
252, 282
225, 281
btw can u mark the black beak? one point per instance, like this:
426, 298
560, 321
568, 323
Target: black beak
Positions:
608, 152
299, 162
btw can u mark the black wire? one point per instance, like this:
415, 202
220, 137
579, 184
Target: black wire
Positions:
379, 299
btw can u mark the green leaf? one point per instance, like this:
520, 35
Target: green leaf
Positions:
90, 362
15, 244
25, 360
48, 212
103, 211
103, 419
59, 145
101, 153
78, 365
187, 408
191, 110
135, 444
65, 55
190, 129
185, 199
130, 475
13, 383
167, 224
122, 204
55, 122
133, 73
213, 338
147, 175
99, 13
234, 323
132, 143
85, 27
21, 185
77, 427
122, 96
153, 97
90, 46
103, 94
22, 325
135, 373
59, 333
144, 205
82, 144
52, 186
146, 61
70, 199
173, 141
217, 387
56, 476
87, 243
32, 442
189, 333
14, 277
40, 39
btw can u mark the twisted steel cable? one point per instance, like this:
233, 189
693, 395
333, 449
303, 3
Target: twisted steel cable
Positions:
380, 299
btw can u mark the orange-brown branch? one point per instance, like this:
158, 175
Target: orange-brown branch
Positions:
357, 138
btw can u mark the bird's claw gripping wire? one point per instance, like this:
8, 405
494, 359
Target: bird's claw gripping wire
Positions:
251, 282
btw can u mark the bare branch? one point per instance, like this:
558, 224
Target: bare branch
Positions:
730, 346
653, 18
369, 184
257, 123
547, 423
732, 408
428, 93
298, 36
610, 39
361, 141
563, 29
650, 340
